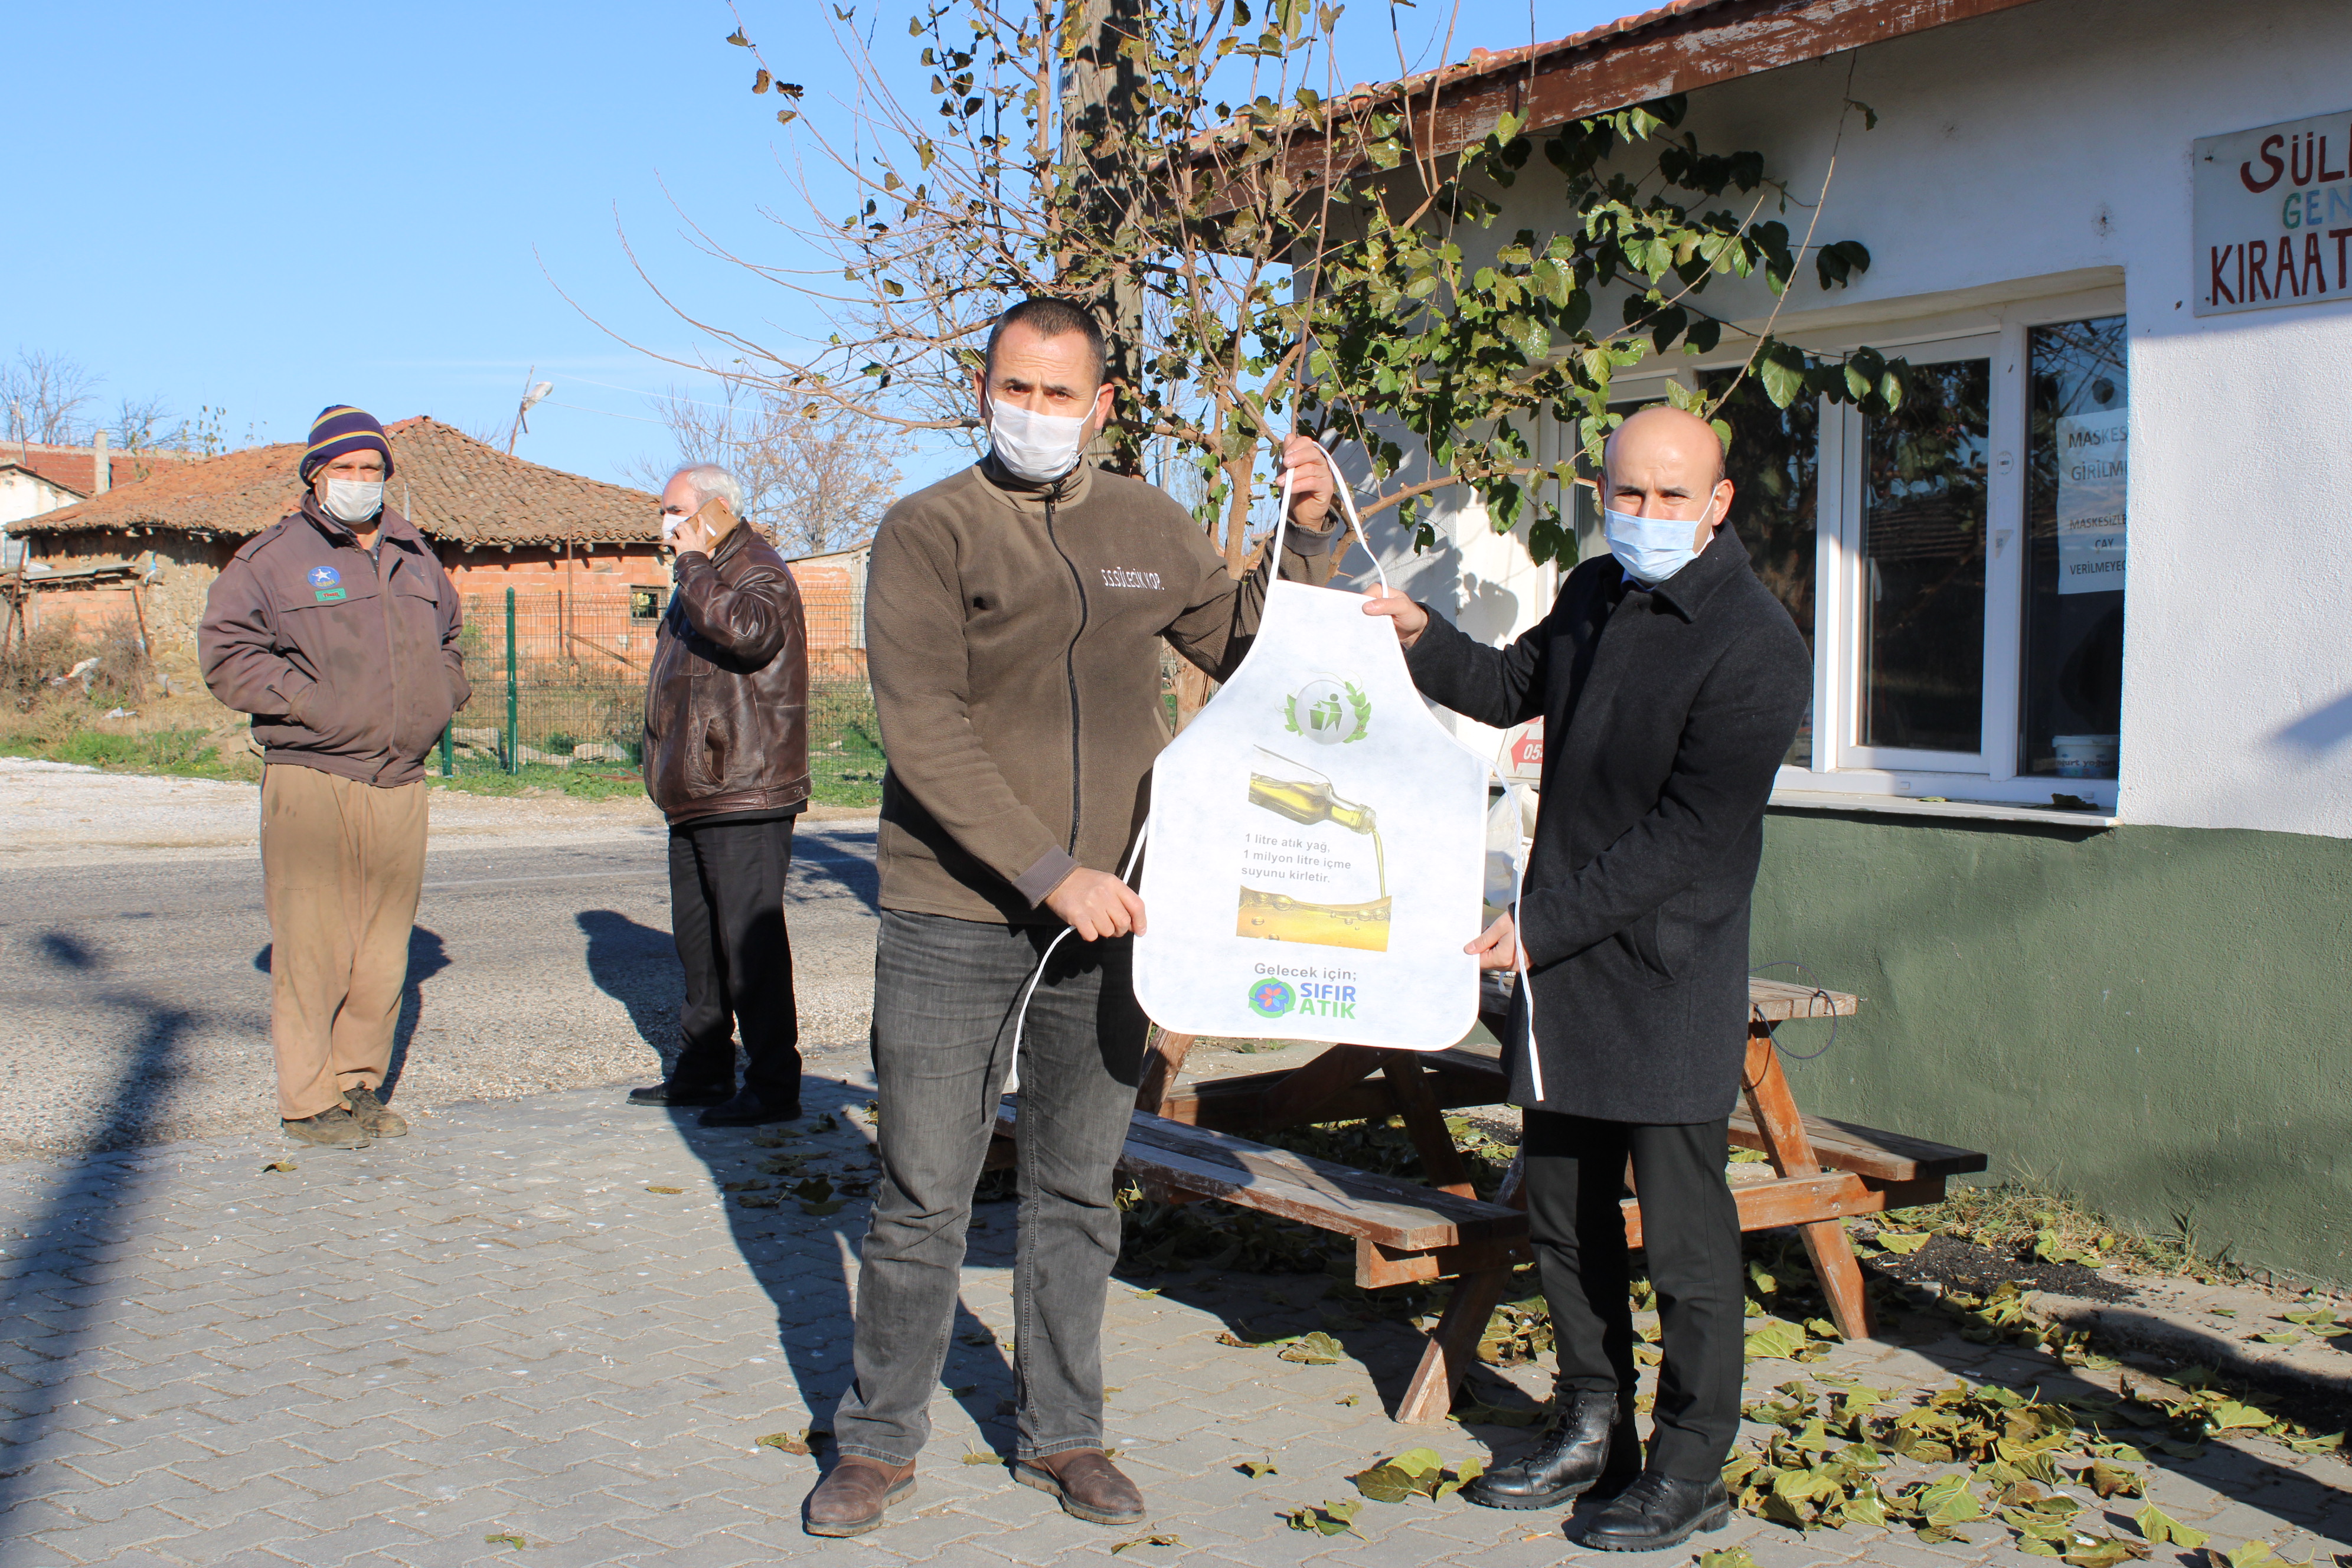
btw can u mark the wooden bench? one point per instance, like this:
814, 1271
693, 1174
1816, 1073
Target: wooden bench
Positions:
1473, 1075
1195, 1163
1187, 1146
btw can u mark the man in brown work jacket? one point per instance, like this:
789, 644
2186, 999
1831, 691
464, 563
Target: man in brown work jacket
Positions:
1014, 617
336, 628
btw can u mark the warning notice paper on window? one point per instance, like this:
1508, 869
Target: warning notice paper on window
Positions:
1318, 846
2092, 473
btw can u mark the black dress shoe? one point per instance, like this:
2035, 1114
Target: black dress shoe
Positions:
1563, 1466
1656, 1512
749, 1108
670, 1091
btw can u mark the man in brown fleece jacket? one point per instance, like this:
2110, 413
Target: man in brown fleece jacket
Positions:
1015, 615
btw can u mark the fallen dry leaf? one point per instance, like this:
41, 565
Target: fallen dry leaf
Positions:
666, 1192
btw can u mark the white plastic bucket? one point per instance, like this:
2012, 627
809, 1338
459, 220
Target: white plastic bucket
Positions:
2085, 756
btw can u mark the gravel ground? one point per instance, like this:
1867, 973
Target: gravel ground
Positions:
55, 814
134, 992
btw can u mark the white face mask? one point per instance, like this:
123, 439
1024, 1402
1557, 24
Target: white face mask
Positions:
353, 501
1652, 549
1038, 448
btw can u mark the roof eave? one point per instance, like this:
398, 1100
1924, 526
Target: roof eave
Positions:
1676, 50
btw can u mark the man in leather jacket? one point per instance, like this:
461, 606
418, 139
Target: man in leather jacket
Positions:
726, 758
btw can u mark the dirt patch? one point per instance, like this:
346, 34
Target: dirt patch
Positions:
1958, 1265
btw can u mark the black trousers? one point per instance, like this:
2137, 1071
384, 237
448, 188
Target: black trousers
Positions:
1690, 1235
727, 912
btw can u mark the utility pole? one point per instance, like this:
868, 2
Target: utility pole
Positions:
1102, 123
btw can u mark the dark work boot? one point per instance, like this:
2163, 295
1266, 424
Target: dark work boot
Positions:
1563, 1466
1656, 1512
376, 1118
682, 1092
333, 1128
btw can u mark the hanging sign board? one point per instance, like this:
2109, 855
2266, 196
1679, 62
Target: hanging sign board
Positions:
2273, 215
1318, 849
2094, 463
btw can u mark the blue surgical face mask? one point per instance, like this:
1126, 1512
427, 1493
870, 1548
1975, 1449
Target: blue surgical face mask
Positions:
1651, 548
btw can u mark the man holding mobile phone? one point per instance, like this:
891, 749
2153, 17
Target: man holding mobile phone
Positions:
726, 758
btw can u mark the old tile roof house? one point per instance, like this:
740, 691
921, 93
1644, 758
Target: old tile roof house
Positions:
497, 521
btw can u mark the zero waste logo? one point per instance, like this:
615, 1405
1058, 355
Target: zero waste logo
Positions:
1271, 998
1327, 710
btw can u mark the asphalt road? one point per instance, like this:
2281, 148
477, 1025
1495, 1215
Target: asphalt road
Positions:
135, 995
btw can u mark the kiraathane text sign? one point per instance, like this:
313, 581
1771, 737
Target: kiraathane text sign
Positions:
2273, 215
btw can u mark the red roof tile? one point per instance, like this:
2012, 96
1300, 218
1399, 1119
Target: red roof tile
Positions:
450, 485
76, 467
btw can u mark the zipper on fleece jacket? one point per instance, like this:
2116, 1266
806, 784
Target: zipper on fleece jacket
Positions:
1070, 666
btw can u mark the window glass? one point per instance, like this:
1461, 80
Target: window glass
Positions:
1923, 550
2074, 572
1774, 467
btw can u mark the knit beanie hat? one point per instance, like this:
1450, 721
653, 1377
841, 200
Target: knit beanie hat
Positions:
340, 429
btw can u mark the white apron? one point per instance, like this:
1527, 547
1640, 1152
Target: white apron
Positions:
1318, 845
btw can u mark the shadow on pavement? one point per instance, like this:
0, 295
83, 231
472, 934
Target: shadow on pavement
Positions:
636, 966
428, 955
86, 1214
803, 1250
797, 1213
822, 854
1265, 1308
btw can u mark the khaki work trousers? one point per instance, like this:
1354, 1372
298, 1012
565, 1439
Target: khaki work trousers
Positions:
342, 864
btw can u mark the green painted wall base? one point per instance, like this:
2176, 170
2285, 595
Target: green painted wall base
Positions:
2156, 1021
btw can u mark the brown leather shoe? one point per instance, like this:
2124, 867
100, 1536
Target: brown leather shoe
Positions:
851, 1499
1086, 1483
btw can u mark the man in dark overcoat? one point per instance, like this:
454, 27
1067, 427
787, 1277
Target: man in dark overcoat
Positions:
1670, 682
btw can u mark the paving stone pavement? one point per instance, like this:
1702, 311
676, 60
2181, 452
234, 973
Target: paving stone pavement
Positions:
502, 1327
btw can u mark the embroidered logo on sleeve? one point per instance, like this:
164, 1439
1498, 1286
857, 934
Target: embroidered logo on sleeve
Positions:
326, 584
1124, 577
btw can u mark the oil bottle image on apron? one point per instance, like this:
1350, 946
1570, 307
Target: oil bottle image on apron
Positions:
1293, 791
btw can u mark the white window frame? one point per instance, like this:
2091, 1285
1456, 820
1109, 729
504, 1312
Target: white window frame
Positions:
1840, 766
1841, 567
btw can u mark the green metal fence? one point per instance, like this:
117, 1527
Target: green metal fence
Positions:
558, 681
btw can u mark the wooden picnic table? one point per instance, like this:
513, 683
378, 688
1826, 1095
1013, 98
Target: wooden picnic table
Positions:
1186, 1146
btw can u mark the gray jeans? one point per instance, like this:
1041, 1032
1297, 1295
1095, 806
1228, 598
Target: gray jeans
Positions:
945, 995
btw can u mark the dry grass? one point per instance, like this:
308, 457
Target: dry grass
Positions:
2025, 1219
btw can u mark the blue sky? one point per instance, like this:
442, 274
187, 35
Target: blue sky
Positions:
269, 208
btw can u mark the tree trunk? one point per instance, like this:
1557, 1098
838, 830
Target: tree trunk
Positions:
1102, 117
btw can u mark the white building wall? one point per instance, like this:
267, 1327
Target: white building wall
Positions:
23, 495
2052, 142
1483, 581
